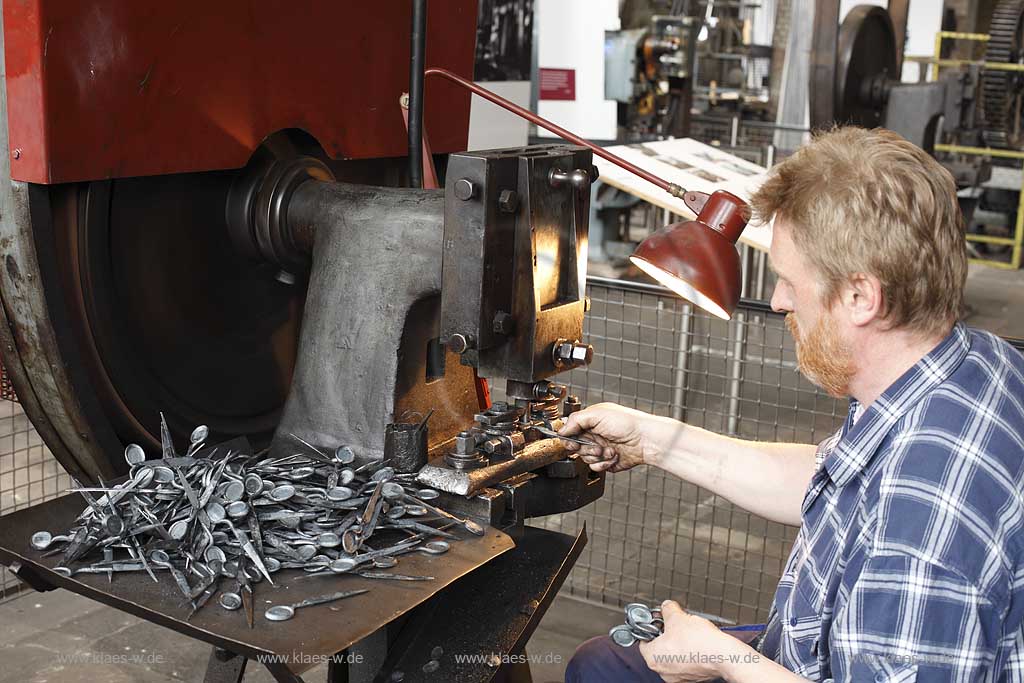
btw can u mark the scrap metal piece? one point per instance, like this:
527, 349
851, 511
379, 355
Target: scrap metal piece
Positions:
285, 612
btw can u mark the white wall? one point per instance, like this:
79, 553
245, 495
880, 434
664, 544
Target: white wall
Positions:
923, 22
490, 126
570, 35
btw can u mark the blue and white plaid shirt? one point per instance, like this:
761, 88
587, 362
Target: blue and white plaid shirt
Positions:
909, 565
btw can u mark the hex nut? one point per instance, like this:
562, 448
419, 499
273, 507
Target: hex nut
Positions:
504, 323
508, 201
582, 354
465, 443
572, 354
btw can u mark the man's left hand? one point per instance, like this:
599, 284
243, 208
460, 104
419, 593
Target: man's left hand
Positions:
691, 648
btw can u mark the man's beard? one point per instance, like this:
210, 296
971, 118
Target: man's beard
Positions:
822, 356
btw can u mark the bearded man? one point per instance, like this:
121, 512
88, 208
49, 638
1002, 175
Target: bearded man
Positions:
909, 562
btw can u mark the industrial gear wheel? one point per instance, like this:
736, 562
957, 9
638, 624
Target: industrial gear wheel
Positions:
1003, 91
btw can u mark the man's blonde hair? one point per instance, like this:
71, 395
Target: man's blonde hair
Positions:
868, 201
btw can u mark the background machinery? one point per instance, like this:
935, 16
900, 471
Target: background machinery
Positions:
967, 113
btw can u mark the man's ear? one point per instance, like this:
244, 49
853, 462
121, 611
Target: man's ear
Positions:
861, 297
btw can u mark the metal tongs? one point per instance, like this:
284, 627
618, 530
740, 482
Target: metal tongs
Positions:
547, 431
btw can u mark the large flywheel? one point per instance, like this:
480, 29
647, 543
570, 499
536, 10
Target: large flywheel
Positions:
852, 64
152, 307
1003, 91
171, 317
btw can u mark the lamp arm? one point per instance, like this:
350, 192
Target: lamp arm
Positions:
689, 198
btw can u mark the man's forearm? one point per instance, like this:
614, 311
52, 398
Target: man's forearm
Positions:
768, 479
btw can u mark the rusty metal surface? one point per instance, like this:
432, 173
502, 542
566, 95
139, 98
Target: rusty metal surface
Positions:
899, 10
27, 340
317, 632
372, 306
467, 482
123, 88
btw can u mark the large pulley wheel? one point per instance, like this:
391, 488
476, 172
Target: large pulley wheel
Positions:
153, 308
1003, 91
169, 316
851, 65
865, 63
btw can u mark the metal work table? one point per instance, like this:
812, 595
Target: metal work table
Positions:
501, 602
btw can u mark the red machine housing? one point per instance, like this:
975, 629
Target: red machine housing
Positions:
127, 88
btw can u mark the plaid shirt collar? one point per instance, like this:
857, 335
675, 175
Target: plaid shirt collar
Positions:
860, 439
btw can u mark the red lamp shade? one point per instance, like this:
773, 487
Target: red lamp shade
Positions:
697, 259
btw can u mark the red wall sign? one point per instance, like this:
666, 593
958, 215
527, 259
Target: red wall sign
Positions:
557, 84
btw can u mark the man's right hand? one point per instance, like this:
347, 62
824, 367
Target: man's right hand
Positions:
618, 433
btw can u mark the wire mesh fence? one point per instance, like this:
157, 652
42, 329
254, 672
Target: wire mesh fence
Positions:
29, 474
653, 536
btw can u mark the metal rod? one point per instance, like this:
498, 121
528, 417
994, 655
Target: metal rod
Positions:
981, 151
761, 260
671, 188
417, 59
956, 35
993, 66
682, 355
738, 351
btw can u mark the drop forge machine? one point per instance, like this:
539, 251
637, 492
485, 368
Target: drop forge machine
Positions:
211, 215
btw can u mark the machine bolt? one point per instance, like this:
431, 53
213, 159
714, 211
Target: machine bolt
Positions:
464, 189
571, 405
582, 354
556, 390
579, 178
508, 201
504, 323
458, 343
544, 390
17, 153
568, 354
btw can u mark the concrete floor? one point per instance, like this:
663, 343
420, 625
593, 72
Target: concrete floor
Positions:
62, 637
994, 300
59, 636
